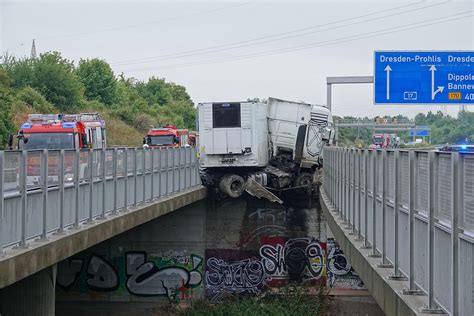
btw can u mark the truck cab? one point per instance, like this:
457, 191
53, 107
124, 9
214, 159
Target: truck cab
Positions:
299, 131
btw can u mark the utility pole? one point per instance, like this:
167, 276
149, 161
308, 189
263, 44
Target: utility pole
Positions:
33, 50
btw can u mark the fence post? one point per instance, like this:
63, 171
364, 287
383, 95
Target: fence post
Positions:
195, 158
2, 203
350, 191
191, 151
44, 171
359, 192
339, 182
343, 185
412, 176
347, 188
366, 201
375, 181
331, 176
144, 151
168, 168
160, 170
125, 176
385, 177
397, 172
135, 171
104, 174
91, 185
114, 174
354, 189
327, 178
76, 177
152, 166
336, 181
457, 163
24, 196
432, 161
173, 169
61, 191
180, 167
186, 167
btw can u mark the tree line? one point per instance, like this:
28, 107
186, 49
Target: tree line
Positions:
54, 84
445, 129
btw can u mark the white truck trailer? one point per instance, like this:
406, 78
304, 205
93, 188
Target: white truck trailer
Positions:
256, 146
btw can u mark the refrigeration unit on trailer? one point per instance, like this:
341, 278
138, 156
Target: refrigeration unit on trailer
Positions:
233, 134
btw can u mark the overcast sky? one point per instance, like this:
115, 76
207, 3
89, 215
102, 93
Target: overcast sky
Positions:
222, 50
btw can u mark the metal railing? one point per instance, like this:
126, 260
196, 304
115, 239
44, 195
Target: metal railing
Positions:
414, 210
48, 191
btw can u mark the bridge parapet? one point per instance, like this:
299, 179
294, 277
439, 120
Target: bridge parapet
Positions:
49, 191
414, 212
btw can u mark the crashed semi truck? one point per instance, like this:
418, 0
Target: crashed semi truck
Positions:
261, 148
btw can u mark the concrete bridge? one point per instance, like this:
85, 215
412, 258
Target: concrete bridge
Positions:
124, 231
55, 204
72, 238
405, 220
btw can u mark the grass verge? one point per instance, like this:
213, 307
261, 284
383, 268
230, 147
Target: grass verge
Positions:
286, 301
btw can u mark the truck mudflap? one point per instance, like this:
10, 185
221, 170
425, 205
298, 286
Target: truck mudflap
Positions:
254, 188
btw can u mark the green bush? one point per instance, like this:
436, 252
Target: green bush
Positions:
6, 125
98, 80
50, 74
32, 98
291, 301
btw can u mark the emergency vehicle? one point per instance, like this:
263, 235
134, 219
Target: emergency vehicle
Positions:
166, 136
380, 141
61, 131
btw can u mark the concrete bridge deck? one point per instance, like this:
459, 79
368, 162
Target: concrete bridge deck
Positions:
45, 220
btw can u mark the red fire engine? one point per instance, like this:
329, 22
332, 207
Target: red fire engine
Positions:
61, 131
58, 131
167, 136
381, 141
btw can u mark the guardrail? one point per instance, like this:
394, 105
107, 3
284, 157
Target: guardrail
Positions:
415, 210
44, 192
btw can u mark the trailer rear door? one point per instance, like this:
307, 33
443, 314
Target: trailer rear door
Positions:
227, 127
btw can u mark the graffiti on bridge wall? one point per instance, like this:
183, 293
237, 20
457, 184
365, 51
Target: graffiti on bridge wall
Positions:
146, 279
264, 222
277, 262
297, 259
232, 276
172, 274
340, 272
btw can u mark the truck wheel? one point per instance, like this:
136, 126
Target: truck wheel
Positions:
232, 185
304, 179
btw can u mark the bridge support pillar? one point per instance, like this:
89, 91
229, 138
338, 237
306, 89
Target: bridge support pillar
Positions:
34, 295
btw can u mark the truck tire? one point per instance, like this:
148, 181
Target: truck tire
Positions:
232, 185
304, 179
